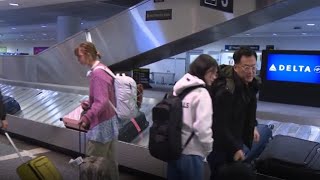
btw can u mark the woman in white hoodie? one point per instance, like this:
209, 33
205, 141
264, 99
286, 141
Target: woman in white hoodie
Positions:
197, 119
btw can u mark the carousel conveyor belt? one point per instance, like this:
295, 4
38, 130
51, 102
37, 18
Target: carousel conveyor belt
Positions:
40, 105
41, 109
39, 119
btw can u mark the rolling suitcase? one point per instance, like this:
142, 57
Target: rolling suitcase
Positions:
39, 168
290, 158
11, 105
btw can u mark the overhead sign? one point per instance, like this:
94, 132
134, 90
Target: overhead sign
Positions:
293, 68
221, 5
236, 47
164, 14
141, 75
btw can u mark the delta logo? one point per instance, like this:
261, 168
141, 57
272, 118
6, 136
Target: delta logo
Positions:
293, 68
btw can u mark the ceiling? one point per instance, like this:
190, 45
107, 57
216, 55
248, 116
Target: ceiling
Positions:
35, 20
306, 23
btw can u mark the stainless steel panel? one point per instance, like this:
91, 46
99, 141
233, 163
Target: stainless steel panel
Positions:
57, 136
58, 65
19, 68
44, 86
127, 40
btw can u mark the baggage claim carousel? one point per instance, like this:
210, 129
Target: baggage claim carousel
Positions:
42, 106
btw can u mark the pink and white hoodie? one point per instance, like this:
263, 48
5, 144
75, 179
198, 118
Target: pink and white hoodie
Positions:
197, 116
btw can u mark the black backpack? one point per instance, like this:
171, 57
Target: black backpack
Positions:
165, 132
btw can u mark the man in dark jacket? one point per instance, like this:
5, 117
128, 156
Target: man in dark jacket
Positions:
4, 122
235, 103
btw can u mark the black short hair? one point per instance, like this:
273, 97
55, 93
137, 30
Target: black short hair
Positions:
243, 51
201, 65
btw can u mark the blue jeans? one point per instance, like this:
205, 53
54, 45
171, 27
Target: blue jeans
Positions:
187, 167
257, 147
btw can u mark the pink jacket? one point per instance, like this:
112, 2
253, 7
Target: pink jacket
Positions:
101, 90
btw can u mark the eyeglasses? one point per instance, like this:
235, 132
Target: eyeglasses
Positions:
247, 68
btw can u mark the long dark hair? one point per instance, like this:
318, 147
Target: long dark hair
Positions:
201, 65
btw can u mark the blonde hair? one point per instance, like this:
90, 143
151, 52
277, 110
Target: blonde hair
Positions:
87, 48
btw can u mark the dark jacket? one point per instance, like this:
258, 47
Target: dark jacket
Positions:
234, 118
2, 108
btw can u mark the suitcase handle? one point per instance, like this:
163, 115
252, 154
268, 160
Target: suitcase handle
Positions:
13, 145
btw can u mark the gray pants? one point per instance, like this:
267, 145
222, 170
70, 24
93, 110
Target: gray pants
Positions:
107, 151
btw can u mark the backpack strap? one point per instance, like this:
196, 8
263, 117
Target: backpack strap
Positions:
188, 140
188, 90
181, 96
107, 70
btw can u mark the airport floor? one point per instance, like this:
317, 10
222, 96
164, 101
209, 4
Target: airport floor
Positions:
299, 121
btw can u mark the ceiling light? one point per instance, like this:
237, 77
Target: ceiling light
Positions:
304, 33
82, 23
311, 24
21, 35
43, 26
274, 34
13, 4
247, 34
33, 39
13, 28
44, 34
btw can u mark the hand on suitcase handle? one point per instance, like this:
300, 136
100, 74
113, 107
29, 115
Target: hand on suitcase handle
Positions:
84, 123
85, 105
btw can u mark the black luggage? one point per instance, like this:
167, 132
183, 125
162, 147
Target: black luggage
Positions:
133, 128
11, 105
290, 158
